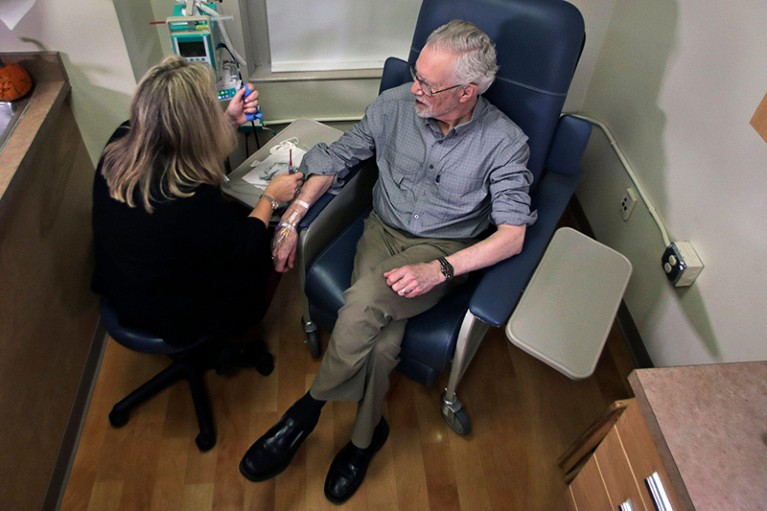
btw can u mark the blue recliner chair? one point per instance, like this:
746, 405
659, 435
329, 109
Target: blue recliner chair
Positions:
538, 43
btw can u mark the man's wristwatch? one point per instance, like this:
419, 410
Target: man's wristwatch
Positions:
446, 268
275, 205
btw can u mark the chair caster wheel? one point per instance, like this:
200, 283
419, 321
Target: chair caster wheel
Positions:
455, 416
118, 419
459, 422
313, 341
205, 441
265, 364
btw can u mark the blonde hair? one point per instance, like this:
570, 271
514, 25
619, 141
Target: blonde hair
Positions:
178, 138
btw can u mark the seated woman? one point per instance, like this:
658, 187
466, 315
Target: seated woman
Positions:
173, 256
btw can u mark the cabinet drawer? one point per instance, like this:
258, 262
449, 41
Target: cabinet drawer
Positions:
618, 473
643, 456
614, 478
588, 489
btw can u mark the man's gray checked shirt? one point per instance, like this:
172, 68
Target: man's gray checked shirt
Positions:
431, 185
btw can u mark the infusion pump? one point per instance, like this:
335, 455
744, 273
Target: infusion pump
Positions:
198, 36
193, 37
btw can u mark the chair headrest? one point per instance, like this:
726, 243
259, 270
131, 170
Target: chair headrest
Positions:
538, 43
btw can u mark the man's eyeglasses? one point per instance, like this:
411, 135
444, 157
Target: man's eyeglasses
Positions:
425, 87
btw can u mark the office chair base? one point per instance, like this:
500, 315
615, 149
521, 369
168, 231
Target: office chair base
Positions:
186, 369
454, 414
265, 364
205, 441
118, 418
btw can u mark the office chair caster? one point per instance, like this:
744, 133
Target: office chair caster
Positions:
264, 363
118, 418
230, 359
205, 441
455, 415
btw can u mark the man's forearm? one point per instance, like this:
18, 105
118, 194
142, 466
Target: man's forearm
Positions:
503, 243
312, 189
285, 238
413, 280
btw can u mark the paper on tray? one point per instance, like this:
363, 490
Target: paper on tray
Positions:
275, 164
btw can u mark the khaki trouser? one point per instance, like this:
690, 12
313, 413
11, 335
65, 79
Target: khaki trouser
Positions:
365, 344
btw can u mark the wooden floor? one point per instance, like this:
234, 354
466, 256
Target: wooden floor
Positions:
524, 415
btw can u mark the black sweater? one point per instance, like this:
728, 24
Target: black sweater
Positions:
195, 266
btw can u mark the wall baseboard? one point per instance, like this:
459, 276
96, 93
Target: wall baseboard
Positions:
70, 439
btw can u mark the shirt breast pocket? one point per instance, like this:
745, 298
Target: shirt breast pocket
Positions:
458, 189
403, 171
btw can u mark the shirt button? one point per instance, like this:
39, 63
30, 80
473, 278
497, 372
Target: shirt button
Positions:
416, 216
431, 166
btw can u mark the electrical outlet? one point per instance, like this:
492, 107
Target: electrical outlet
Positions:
628, 202
681, 263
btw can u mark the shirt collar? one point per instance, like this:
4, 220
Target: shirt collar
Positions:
479, 108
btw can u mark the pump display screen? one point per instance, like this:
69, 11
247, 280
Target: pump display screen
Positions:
192, 48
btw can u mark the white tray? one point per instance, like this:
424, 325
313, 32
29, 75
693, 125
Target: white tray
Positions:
565, 314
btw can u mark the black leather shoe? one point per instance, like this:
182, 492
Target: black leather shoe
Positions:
350, 465
273, 452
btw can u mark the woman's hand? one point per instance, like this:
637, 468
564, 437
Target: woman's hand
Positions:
285, 186
240, 105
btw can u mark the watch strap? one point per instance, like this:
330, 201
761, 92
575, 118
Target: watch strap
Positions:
272, 201
446, 268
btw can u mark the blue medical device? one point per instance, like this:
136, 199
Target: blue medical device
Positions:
256, 116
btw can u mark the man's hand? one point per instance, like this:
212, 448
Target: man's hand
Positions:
414, 279
285, 240
284, 249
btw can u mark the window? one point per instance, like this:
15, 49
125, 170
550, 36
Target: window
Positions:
327, 35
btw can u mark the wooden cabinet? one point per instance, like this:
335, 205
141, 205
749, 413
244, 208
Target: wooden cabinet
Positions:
48, 315
698, 429
621, 471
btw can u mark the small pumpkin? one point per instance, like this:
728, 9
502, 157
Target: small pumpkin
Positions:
15, 82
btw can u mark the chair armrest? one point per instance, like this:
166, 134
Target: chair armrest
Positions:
493, 303
331, 214
502, 284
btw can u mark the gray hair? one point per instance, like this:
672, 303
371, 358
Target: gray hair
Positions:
477, 59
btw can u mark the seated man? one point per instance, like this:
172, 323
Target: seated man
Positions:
450, 164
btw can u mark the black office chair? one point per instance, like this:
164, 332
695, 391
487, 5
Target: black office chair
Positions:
539, 43
189, 363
